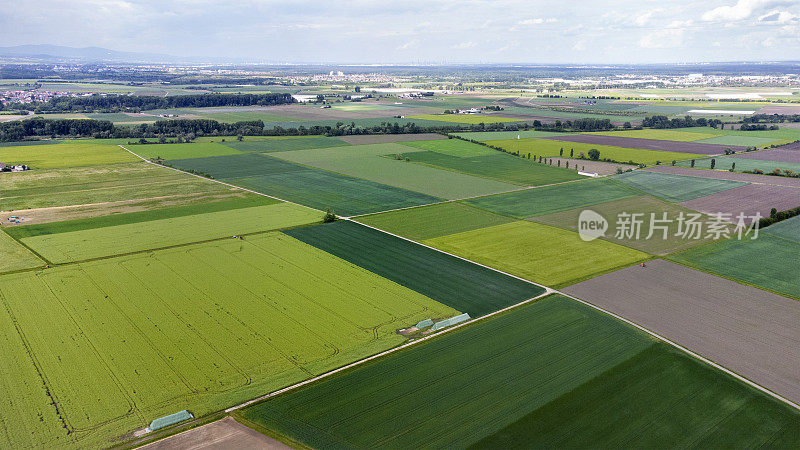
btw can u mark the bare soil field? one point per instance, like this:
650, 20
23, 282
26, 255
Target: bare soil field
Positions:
751, 332
649, 144
747, 199
225, 434
725, 175
788, 153
772, 109
389, 138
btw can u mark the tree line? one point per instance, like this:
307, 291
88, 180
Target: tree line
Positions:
663, 122
135, 103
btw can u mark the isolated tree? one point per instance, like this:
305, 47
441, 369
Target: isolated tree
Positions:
357, 89
240, 138
713, 162
594, 154
673, 162
329, 216
692, 163
571, 152
733, 167
626, 125
561, 152
558, 163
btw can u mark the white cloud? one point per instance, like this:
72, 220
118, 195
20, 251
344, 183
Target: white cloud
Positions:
537, 21
779, 17
464, 45
667, 38
408, 45
579, 46
644, 18
743, 9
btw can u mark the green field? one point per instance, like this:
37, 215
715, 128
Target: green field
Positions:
498, 166
787, 229
483, 136
457, 283
433, 221
465, 118
666, 135
545, 147
95, 184
369, 162
552, 374
768, 262
138, 236
93, 351
550, 199
540, 253
204, 204
181, 151
726, 162
280, 145
311, 187
15, 255
452, 147
647, 206
747, 141
781, 134
67, 154
676, 188
240, 116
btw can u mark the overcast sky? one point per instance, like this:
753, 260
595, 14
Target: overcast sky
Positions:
428, 31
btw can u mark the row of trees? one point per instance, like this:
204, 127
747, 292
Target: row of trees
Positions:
663, 122
116, 103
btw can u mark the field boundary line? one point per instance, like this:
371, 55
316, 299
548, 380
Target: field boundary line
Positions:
640, 327
213, 180
547, 292
522, 188
686, 350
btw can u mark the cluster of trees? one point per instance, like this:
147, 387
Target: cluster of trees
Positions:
663, 122
18, 130
757, 127
777, 216
772, 118
115, 103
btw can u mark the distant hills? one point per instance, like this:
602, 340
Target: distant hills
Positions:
87, 54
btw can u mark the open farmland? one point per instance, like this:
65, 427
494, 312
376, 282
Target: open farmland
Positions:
745, 329
768, 262
549, 199
90, 185
66, 154
15, 255
787, 229
311, 187
663, 135
465, 118
285, 144
483, 136
675, 188
727, 162
498, 166
552, 148
452, 147
692, 148
649, 208
726, 175
536, 252
748, 199
388, 138
457, 283
98, 349
432, 221
788, 154
532, 378
373, 162
135, 237
180, 151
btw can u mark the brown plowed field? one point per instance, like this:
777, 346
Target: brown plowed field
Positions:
725, 175
648, 144
751, 332
747, 199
